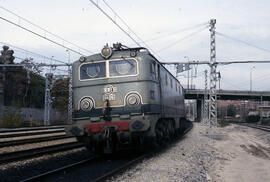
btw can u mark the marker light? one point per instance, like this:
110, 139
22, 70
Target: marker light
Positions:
106, 51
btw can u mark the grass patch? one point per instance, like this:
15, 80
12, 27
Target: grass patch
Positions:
223, 123
11, 119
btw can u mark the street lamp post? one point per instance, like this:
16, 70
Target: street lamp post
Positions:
251, 77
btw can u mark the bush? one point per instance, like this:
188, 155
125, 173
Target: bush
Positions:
11, 119
231, 110
252, 118
265, 121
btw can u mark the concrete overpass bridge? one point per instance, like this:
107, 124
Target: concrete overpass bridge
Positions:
230, 95
198, 95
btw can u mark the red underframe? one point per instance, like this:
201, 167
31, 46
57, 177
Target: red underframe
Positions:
98, 127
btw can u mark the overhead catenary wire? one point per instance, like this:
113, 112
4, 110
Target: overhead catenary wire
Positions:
122, 29
37, 34
182, 39
128, 26
257, 79
164, 35
19, 58
48, 69
45, 30
33, 53
232, 85
243, 42
108, 16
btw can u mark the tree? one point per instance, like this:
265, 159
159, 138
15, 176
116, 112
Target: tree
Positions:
60, 94
23, 86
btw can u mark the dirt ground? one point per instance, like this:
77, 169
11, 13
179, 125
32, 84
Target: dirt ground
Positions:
243, 155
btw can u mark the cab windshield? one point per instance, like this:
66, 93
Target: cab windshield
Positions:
123, 67
93, 70
116, 68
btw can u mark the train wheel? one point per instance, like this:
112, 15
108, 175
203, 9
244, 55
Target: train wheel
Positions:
87, 143
159, 130
171, 129
167, 130
80, 138
182, 125
140, 145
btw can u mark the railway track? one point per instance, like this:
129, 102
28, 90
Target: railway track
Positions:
21, 136
63, 172
34, 152
31, 129
101, 171
257, 126
32, 140
30, 133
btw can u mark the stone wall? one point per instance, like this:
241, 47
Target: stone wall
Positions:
37, 114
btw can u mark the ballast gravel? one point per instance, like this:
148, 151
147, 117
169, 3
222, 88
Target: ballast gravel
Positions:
223, 154
186, 160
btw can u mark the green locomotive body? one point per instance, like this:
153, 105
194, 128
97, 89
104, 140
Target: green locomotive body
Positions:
124, 98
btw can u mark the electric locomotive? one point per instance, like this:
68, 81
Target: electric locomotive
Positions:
124, 97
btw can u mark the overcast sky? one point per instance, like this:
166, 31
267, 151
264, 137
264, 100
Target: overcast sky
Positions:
156, 22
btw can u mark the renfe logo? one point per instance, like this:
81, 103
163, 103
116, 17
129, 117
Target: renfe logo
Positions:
109, 91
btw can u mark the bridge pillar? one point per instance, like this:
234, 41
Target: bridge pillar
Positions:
199, 110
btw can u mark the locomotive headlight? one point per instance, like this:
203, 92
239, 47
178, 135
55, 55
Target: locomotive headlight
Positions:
86, 104
133, 99
106, 51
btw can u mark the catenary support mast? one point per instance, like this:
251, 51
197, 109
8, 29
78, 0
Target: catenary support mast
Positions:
212, 93
48, 101
205, 108
70, 96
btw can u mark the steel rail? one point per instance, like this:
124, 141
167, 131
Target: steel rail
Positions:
259, 127
30, 129
10, 135
29, 153
33, 140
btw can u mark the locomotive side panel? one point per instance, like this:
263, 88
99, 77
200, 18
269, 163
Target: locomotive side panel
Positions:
172, 95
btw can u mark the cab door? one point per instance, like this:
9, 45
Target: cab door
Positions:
160, 90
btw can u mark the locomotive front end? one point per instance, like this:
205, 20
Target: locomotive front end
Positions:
109, 98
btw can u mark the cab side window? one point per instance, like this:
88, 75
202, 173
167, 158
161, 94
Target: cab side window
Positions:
153, 69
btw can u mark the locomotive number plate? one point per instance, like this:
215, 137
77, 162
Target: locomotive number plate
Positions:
108, 97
